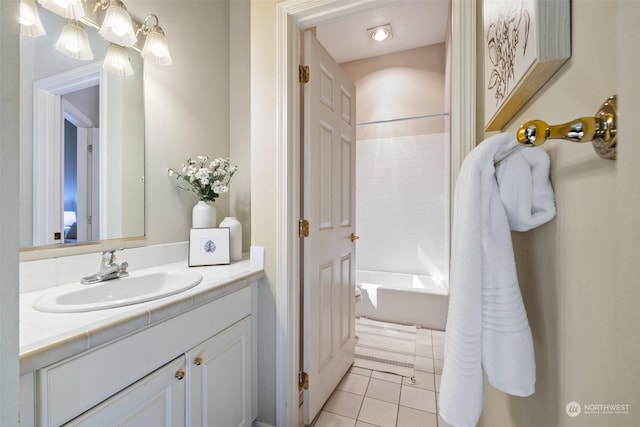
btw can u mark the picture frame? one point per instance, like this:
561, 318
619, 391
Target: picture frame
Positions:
525, 43
208, 246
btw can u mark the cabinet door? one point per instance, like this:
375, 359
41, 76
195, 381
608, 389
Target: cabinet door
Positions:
156, 400
220, 379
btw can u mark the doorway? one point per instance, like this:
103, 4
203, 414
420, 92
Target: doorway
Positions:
80, 165
292, 17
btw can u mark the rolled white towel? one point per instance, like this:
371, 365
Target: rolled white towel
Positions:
487, 325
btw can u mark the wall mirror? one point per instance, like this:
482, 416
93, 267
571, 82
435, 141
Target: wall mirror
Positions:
81, 143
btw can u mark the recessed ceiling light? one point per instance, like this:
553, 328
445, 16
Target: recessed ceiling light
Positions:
380, 33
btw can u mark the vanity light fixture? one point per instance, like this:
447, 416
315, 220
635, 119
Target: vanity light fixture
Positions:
117, 61
30, 24
116, 26
70, 9
380, 33
74, 42
156, 48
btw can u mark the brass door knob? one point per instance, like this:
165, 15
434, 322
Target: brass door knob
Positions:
179, 374
197, 361
354, 237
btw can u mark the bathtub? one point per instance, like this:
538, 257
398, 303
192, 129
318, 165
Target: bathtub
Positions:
402, 298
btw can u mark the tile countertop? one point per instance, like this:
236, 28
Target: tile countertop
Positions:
46, 338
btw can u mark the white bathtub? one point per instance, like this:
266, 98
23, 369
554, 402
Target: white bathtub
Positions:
402, 298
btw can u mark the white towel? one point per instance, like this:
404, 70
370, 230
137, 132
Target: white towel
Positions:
487, 325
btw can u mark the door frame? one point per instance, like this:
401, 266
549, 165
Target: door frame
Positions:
292, 17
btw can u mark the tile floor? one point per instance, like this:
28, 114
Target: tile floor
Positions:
370, 398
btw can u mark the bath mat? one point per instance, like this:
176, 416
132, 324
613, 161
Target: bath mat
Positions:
385, 347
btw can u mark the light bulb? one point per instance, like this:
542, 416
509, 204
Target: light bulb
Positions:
380, 35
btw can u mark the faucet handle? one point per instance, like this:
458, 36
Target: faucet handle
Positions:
110, 255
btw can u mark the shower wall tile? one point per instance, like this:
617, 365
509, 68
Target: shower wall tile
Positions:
402, 204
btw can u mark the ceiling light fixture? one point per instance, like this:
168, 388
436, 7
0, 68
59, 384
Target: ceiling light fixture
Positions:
156, 48
70, 9
380, 33
74, 42
116, 26
117, 61
30, 24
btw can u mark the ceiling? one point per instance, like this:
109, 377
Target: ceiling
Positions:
414, 23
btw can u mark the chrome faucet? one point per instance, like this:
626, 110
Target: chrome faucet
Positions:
109, 269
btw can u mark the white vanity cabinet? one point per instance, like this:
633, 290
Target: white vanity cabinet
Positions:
214, 391
193, 369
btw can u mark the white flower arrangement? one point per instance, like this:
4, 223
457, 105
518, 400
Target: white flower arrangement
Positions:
207, 179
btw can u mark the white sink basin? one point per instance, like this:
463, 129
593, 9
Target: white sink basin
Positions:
134, 289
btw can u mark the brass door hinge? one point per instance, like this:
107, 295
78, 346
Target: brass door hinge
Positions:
303, 74
303, 381
303, 228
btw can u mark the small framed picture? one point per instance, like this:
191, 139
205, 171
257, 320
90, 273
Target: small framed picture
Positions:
208, 246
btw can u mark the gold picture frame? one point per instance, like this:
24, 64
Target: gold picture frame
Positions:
525, 43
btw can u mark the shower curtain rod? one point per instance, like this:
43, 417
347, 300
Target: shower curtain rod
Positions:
427, 116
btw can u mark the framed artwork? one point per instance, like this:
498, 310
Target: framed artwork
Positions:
208, 246
525, 43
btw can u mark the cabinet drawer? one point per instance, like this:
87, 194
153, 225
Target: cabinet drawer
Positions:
69, 388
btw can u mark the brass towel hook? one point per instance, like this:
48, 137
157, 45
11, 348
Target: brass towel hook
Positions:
600, 130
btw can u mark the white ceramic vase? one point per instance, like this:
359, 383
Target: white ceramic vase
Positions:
235, 237
203, 215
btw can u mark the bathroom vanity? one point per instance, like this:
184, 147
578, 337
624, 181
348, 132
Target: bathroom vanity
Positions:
186, 359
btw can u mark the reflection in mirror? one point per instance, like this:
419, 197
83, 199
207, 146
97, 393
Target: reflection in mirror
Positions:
82, 143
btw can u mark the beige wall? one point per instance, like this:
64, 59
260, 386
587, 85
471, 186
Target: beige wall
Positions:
397, 86
186, 107
583, 320
240, 113
264, 186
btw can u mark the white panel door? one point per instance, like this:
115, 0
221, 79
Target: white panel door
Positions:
329, 206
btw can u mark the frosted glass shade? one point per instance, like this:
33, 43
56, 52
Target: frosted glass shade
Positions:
30, 24
156, 49
117, 61
70, 9
74, 42
117, 27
